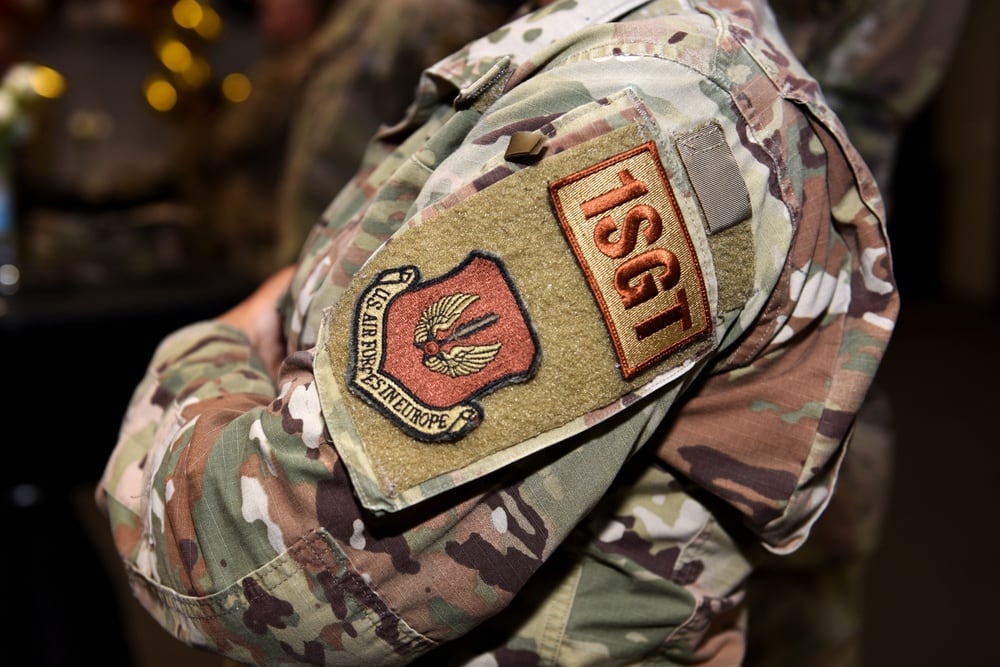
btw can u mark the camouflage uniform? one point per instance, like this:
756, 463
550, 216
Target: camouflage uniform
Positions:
506, 430
878, 63
364, 65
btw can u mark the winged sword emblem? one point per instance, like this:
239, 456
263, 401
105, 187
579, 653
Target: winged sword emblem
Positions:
436, 331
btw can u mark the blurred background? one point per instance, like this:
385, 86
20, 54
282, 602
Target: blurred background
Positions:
147, 180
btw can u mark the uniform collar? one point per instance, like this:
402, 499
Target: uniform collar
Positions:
475, 65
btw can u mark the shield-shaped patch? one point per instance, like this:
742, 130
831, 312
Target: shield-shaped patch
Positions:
422, 352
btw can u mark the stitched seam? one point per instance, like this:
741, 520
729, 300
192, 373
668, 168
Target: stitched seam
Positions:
209, 606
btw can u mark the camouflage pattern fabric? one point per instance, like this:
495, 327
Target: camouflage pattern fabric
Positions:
364, 66
260, 518
878, 64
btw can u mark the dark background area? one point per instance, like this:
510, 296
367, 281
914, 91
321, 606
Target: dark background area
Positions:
74, 343
929, 592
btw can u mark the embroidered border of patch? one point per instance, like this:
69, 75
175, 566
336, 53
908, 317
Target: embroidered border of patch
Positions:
422, 351
626, 230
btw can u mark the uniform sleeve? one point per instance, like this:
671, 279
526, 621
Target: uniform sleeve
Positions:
242, 534
239, 505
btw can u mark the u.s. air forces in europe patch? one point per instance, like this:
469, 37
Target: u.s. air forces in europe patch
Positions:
423, 351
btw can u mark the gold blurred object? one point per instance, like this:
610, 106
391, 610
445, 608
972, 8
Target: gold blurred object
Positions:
236, 87
210, 27
197, 73
175, 55
201, 18
160, 93
47, 82
187, 13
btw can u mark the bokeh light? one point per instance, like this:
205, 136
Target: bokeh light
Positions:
160, 94
210, 26
187, 13
236, 87
198, 74
175, 55
47, 82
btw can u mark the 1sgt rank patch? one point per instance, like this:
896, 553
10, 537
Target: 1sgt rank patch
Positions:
421, 352
625, 228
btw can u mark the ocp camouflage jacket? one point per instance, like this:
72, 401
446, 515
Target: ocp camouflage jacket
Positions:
602, 307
